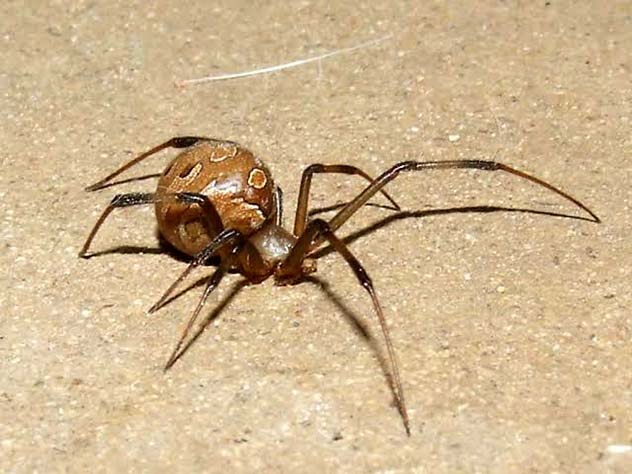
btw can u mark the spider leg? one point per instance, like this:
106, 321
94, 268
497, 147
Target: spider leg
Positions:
120, 200
306, 181
389, 175
292, 266
175, 142
212, 283
134, 199
226, 237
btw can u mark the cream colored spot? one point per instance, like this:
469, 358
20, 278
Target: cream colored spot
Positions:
191, 174
251, 208
221, 153
257, 178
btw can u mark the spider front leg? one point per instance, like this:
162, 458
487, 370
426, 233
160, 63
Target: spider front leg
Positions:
120, 200
224, 238
213, 221
292, 267
212, 283
175, 142
134, 199
306, 181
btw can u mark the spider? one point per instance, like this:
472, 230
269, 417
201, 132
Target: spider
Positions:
216, 199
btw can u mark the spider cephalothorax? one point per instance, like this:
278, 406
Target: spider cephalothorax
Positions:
216, 199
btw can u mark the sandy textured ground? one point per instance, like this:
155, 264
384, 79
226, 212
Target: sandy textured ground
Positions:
513, 329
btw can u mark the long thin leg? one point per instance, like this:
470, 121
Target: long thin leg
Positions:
394, 171
213, 314
306, 181
226, 237
292, 265
212, 219
120, 200
175, 142
213, 282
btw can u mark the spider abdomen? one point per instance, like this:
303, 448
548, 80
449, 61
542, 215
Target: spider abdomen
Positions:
237, 183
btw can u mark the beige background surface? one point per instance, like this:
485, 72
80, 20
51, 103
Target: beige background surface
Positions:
513, 330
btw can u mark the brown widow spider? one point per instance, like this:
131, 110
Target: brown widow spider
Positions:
217, 199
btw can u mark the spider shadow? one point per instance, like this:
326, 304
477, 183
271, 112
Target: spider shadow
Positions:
398, 216
359, 327
214, 314
356, 324
164, 247
128, 180
129, 250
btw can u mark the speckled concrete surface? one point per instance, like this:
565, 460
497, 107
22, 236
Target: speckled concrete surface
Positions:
512, 329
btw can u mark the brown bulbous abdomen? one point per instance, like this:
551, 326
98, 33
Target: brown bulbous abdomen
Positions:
236, 182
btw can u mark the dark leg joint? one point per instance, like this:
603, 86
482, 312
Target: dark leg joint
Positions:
185, 142
132, 199
192, 198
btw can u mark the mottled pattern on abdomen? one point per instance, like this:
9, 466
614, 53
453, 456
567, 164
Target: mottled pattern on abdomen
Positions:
236, 182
